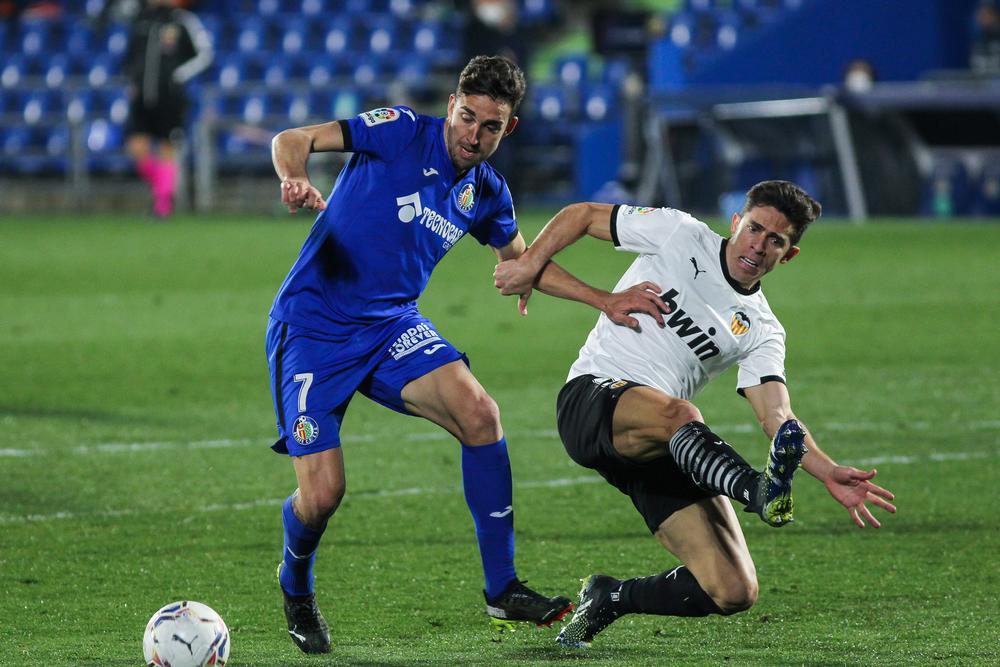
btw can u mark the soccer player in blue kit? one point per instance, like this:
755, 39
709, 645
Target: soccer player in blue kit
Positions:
346, 320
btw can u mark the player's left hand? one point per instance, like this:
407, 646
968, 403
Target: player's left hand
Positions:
852, 489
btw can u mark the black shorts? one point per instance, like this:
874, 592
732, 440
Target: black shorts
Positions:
584, 412
158, 121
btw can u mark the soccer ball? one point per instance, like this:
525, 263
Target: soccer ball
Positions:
186, 634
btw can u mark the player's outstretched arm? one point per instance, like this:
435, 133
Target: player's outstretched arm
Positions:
290, 151
557, 281
566, 227
849, 486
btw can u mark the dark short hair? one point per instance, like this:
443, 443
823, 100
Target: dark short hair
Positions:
495, 76
790, 200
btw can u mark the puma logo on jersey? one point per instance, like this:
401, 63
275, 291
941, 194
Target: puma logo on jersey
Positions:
693, 335
696, 269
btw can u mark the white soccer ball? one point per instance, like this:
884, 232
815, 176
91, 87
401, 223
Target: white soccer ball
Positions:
186, 634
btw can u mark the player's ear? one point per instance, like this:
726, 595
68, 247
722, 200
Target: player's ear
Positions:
511, 124
451, 104
734, 223
790, 255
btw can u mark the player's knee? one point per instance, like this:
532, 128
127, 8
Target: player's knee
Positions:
319, 504
678, 412
735, 595
479, 421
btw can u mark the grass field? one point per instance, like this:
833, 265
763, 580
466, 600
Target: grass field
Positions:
135, 421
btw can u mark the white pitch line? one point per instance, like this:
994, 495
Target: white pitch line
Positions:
7, 519
133, 447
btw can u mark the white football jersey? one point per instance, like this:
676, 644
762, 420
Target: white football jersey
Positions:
714, 322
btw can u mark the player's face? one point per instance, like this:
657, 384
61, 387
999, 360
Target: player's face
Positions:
474, 127
759, 240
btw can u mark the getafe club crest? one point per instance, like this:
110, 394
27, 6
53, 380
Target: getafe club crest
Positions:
305, 430
467, 198
740, 324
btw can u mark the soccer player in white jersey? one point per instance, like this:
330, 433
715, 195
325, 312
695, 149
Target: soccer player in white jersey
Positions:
626, 412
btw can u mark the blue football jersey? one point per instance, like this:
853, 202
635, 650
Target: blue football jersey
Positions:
395, 210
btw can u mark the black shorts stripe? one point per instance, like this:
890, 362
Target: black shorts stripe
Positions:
279, 355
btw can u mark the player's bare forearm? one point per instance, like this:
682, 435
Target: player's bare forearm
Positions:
619, 307
558, 282
565, 228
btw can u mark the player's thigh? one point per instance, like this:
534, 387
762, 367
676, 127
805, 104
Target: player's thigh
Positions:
644, 421
312, 382
453, 398
423, 374
706, 536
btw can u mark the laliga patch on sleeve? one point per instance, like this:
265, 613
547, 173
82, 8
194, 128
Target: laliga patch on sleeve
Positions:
376, 116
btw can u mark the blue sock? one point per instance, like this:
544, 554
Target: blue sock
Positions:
487, 481
301, 542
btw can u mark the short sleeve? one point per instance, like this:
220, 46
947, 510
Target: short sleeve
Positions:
499, 227
382, 133
764, 363
642, 229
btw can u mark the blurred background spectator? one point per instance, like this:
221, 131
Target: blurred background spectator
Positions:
167, 48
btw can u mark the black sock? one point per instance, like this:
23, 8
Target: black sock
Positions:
713, 464
672, 593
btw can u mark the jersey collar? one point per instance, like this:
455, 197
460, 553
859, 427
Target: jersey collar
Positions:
729, 279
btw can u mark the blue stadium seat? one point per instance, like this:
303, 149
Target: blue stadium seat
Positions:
80, 40
38, 105
102, 69
105, 147
367, 73
115, 39
253, 36
297, 108
60, 67
728, 29
338, 39
548, 102
534, 12
600, 101
79, 104
16, 68
34, 37
385, 36
436, 42
256, 107
572, 70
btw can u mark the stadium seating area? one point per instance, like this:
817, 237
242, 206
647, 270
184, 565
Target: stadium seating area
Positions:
280, 63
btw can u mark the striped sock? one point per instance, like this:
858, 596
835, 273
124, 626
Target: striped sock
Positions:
712, 464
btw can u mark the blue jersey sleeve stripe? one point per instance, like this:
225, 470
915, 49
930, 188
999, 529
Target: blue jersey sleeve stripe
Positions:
345, 128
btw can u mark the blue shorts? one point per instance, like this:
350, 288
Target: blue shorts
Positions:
315, 374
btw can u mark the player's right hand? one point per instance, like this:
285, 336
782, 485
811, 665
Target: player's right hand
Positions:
299, 193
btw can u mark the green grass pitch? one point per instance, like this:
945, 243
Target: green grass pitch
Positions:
135, 421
